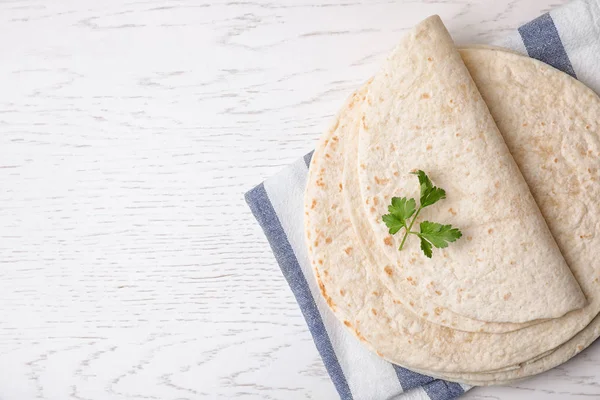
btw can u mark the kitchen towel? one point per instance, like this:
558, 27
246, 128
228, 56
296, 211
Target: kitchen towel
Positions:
568, 38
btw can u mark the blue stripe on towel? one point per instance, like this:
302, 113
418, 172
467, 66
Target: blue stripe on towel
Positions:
442, 390
263, 211
410, 380
542, 42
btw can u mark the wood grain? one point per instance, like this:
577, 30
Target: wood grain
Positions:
130, 267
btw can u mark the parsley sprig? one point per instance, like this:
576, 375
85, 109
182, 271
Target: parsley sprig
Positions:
431, 233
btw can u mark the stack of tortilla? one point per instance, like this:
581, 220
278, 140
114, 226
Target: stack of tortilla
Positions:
516, 145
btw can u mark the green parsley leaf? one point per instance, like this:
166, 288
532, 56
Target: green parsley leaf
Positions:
393, 223
402, 208
432, 234
429, 194
426, 247
437, 234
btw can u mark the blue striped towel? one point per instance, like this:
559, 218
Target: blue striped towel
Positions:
567, 38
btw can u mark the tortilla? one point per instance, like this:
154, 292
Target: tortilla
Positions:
360, 299
551, 124
423, 111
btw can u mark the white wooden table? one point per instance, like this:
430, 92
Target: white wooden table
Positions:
130, 267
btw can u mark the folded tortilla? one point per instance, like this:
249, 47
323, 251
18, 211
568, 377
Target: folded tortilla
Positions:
551, 124
347, 266
423, 111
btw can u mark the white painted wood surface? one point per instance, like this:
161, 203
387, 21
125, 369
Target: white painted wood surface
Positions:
130, 267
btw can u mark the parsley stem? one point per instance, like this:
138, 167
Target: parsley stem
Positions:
410, 227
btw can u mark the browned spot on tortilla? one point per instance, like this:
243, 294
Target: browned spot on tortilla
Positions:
320, 182
587, 127
335, 138
363, 166
497, 184
425, 314
469, 237
329, 219
327, 155
372, 209
328, 240
388, 270
412, 303
429, 59
417, 127
334, 206
588, 236
374, 311
313, 204
525, 124
437, 310
507, 296
380, 354
360, 336
328, 299
381, 181
368, 187
380, 99
512, 262
375, 293
429, 147
326, 273
367, 201
392, 147
347, 323
364, 124
340, 186
316, 243
330, 303
579, 348
321, 262
348, 250
396, 173
556, 160
412, 260
438, 292
490, 231
543, 123
375, 200
388, 241
451, 101
342, 292
397, 302
425, 96
451, 211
